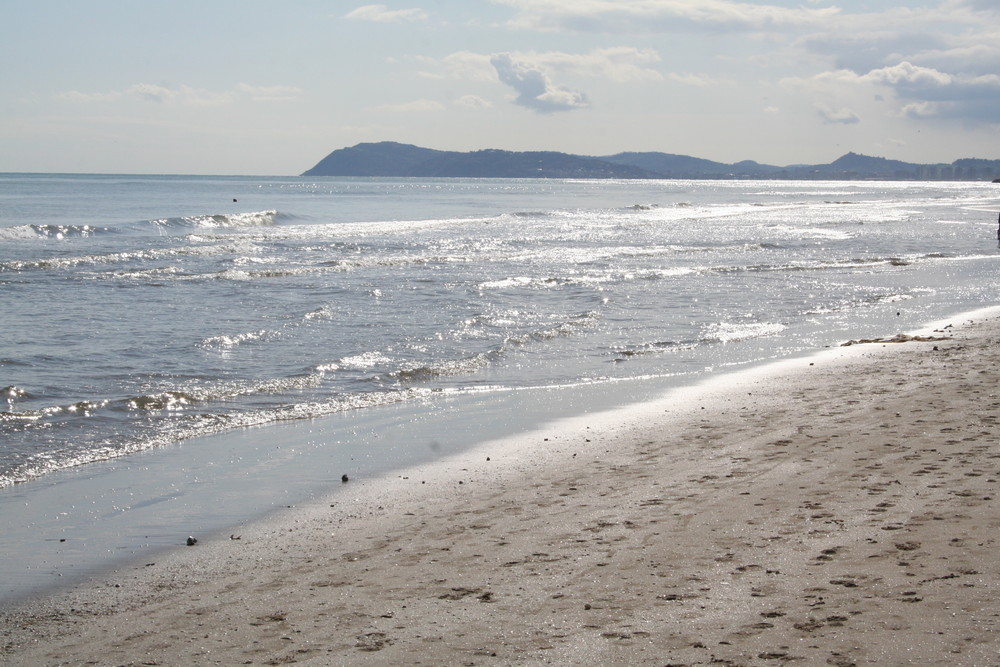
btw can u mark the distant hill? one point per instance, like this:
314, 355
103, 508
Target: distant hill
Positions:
666, 163
383, 159
506, 164
391, 159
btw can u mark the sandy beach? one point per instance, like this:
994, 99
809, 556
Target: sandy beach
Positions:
839, 510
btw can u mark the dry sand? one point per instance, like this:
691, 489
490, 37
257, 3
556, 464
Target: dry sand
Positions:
838, 510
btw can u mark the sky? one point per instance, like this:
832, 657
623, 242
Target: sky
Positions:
269, 88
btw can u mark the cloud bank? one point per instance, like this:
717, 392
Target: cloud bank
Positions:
922, 63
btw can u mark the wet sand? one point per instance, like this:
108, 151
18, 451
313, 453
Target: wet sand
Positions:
839, 509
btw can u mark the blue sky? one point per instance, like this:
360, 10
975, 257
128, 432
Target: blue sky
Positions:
255, 87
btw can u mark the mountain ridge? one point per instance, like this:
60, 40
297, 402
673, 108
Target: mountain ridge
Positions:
393, 159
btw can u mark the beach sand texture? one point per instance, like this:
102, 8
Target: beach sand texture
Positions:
834, 510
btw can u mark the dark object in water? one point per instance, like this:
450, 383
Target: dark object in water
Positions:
192, 541
343, 478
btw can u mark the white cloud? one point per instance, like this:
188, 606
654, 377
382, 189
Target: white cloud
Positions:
935, 94
645, 16
837, 116
923, 92
957, 35
921, 110
907, 75
534, 89
382, 14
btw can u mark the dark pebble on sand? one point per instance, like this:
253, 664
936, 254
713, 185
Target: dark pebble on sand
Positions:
344, 478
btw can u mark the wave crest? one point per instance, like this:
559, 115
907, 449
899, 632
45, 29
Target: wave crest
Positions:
32, 232
168, 400
222, 220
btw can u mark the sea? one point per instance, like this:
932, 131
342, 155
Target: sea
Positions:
184, 353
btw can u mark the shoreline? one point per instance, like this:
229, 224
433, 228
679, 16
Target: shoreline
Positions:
836, 507
85, 522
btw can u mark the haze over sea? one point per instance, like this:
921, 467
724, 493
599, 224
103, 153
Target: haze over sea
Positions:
184, 353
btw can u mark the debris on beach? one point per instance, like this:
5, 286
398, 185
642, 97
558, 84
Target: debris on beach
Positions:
898, 338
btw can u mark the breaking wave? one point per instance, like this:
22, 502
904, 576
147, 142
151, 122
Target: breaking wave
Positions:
224, 220
33, 232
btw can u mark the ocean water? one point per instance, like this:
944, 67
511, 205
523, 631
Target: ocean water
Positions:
142, 314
